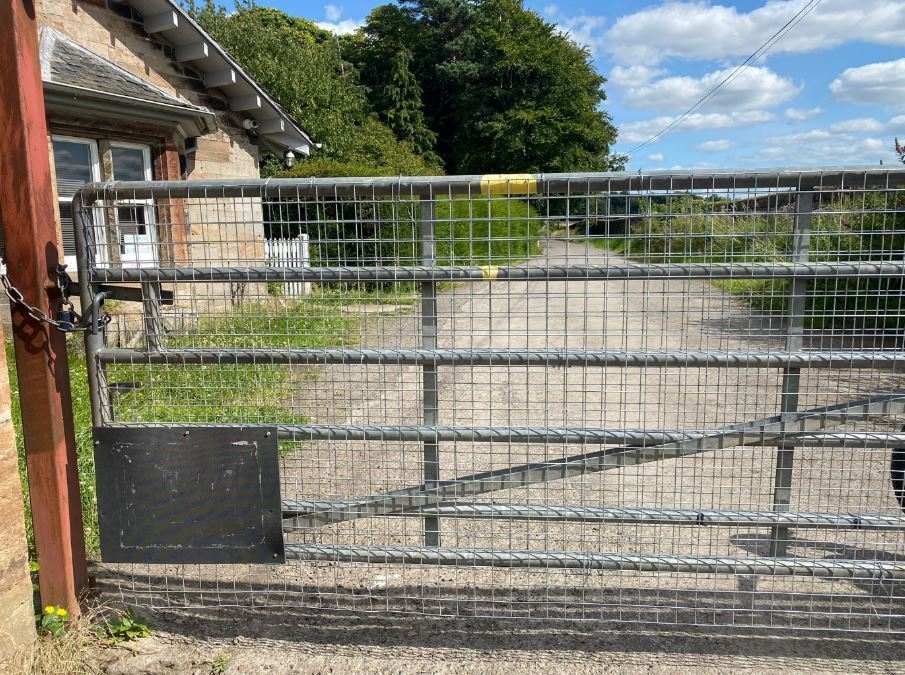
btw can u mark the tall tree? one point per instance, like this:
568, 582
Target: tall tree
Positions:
402, 107
300, 65
502, 89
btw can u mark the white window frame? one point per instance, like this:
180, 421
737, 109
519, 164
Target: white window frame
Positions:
150, 221
101, 249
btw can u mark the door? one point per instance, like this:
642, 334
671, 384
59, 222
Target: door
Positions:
134, 218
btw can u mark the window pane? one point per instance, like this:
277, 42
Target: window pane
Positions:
66, 227
129, 164
72, 164
131, 219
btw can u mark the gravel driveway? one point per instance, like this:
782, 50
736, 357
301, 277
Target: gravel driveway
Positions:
288, 629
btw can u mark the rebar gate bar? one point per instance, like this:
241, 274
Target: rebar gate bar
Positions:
670, 397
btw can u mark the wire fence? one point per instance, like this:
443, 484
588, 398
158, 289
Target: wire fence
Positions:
666, 398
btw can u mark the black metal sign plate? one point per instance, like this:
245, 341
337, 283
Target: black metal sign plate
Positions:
192, 495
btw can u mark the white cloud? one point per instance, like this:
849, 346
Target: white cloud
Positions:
627, 76
859, 125
656, 157
585, 30
715, 146
700, 30
753, 89
800, 114
864, 140
813, 151
637, 132
873, 84
694, 167
851, 131
804, 137
333, 13
344, 27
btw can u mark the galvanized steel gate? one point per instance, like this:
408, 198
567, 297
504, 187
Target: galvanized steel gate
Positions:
667, 397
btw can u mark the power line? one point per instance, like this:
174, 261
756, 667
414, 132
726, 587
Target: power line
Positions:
809, 7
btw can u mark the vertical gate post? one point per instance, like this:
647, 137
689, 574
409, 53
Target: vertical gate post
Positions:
28, 214
791, 377
99, 391
429, 372
154, 329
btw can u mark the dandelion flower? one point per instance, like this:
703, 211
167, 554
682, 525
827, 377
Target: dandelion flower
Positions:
62, 612
50, 609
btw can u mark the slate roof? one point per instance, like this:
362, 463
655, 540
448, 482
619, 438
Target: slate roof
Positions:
67, 63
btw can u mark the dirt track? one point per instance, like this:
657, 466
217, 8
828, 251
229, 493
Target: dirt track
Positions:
632, 315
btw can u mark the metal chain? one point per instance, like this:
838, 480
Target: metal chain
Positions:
39, 315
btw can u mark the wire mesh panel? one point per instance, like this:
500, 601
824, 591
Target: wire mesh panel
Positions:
672, 398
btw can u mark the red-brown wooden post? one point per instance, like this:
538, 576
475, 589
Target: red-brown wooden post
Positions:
28, 215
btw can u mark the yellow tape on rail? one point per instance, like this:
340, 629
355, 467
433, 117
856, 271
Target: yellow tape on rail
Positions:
509, 184
490, 272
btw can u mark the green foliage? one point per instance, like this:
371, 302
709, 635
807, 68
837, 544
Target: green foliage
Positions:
388, 231
402, 109
301, 67
192, 393
81, 411
126, 628
849, 227
502, 89
239, 393
52, 621
220, 664
485, 231
320, 167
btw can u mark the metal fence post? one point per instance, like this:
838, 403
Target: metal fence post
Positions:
33, 251
154, 328
429, 372
791, 377
101, 404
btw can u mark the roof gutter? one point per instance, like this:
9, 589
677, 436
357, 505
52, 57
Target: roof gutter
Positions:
189, 120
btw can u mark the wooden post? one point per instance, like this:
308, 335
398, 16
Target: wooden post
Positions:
33, 250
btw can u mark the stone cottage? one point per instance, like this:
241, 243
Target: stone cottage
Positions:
136, 90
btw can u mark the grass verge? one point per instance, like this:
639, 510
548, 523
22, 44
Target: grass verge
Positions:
194, 394
77, 651
479, 232
867, 227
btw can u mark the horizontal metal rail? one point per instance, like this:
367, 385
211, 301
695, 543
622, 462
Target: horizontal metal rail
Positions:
625, 516
508, 357
547, 435
604, 460
853, 178
777, 270
482, 557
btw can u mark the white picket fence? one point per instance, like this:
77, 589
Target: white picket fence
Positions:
290, 253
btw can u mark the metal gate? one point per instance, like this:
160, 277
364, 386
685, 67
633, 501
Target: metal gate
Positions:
666, 397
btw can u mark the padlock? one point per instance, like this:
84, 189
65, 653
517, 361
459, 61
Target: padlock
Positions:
66, 317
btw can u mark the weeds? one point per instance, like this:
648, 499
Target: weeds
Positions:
125, 628
221, 663
74, 650
211, 394
52, 621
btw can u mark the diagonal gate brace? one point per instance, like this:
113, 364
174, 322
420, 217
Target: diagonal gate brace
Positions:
749, 433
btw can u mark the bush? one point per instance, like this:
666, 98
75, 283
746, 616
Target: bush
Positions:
301, 66
849, 227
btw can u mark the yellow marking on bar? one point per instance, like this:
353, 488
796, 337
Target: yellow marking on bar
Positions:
490, 272
509, 184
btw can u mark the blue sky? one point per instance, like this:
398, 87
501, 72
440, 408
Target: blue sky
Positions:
830, 93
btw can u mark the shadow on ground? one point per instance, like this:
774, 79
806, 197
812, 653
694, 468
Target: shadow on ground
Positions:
380, 624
